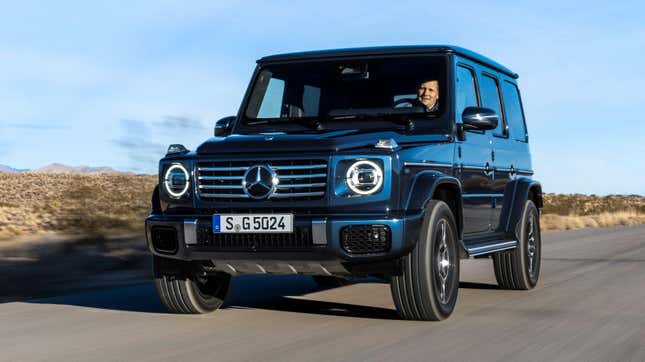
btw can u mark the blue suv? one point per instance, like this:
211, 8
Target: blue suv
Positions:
393, 162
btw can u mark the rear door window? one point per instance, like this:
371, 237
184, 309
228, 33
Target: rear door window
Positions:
514, 113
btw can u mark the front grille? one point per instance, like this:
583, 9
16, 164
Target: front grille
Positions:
365, 239
221, 181
300, 239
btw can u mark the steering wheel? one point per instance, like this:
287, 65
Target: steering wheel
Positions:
399, 102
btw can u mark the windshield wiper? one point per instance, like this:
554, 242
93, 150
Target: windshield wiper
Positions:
401, 118
308, 122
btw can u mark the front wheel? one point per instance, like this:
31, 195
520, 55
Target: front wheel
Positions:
428, 286
184, 288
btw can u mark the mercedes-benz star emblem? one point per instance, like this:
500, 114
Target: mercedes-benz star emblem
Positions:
260, 182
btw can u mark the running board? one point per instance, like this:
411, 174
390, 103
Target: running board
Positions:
490, 247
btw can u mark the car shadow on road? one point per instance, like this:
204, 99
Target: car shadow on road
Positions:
475, 285
278, 293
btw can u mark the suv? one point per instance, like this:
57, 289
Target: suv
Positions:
393, 162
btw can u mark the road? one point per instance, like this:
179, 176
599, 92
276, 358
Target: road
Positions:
589, 306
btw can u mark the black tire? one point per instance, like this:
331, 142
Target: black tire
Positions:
434, 262
328, 282
182, 288
519, 268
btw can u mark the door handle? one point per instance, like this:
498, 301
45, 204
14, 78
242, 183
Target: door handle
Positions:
488, 170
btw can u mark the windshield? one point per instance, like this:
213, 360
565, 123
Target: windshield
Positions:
332, 95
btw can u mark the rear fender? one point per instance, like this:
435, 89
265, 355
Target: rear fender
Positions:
519, 191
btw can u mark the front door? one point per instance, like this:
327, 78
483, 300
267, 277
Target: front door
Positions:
474, 161
476, 172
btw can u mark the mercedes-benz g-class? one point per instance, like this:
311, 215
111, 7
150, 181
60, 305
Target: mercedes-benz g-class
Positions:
393, 162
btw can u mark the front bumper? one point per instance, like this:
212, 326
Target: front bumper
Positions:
325, 257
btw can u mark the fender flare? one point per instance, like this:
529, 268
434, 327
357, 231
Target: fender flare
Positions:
155, 202
512, 210
423, 188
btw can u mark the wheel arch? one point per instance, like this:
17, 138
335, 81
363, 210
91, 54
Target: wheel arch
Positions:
429, 185
155, 201
522, 189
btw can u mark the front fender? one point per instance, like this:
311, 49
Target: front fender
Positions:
423, 189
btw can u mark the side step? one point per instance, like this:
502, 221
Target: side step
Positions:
490, 247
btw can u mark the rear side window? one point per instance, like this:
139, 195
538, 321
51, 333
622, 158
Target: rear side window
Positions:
466, 93
489, 91
514, 114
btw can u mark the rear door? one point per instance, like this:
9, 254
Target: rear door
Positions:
502, 151
512, 158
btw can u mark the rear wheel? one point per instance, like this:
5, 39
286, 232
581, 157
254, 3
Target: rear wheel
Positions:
520, 268
184, 288
428, 286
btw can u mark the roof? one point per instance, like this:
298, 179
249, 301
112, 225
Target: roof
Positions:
387, 50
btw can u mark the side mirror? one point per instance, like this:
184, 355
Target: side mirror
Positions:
482, 119
223, 126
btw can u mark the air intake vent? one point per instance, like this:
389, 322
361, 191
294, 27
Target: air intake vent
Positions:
300, 239
366, 239
164, 239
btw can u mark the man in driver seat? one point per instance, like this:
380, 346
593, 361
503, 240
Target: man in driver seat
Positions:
428, 95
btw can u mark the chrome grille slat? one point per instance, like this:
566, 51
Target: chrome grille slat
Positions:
297, 194
243, 168
298, 179
219, 187
302, 167
315, 175
217, 178
294, 186
239, 196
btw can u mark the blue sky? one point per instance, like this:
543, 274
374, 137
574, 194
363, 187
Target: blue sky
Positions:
114, 83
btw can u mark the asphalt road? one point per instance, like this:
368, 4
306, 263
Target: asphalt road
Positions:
589, 306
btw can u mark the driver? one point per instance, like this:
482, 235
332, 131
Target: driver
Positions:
428, 95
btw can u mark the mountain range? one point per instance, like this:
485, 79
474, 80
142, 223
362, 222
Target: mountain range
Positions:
61, 168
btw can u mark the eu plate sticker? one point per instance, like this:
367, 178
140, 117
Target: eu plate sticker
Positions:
216, 224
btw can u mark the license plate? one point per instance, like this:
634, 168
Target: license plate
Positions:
253, 223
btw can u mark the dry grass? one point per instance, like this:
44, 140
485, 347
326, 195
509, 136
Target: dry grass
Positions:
569, 222
94, 205
105, 204
567, 212
577, 204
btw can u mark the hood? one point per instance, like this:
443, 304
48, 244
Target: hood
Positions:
319, 142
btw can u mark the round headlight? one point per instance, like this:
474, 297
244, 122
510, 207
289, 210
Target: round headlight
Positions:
176, 180
364, 177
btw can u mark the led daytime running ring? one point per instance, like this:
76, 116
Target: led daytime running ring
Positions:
379, 177
167, 180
